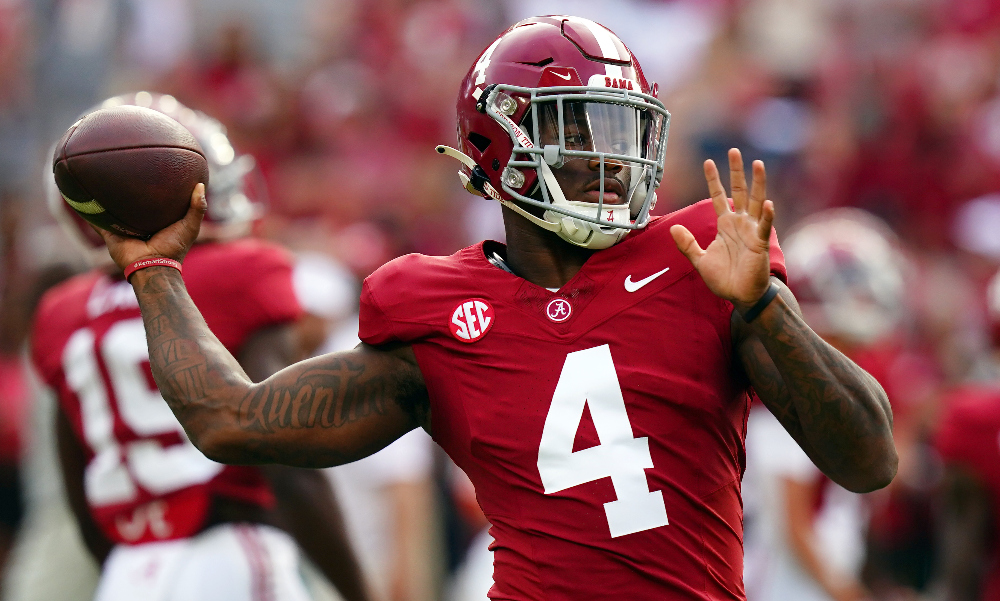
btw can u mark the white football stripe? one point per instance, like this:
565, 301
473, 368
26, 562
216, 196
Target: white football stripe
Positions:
90, 207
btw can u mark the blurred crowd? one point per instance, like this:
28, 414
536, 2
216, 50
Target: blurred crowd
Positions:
890, 106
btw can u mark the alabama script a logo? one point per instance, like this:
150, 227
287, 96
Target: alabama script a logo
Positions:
558, 310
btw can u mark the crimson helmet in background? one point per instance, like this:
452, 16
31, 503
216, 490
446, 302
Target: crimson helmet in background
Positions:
236, 194
849, 275
551, 90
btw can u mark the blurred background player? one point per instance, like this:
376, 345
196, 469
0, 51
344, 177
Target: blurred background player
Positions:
969, 516
387, 499
805, 535
164, 521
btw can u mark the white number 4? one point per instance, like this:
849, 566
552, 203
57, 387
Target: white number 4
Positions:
588, 378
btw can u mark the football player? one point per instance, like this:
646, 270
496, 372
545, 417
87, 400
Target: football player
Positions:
969, 527
166, 522
591, 376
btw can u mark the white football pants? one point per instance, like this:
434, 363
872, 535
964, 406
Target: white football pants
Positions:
229, 562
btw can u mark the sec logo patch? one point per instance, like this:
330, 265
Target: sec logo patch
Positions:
471, 320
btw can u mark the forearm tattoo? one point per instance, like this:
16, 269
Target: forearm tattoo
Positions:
836, 411
179, 365
328, 397
206, 387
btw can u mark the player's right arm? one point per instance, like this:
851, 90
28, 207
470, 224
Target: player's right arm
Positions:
324, 411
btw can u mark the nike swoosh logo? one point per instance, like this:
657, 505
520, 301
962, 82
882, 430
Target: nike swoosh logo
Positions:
631, 286
566, 76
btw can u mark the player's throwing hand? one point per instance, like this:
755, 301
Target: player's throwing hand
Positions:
736, 265
172, 242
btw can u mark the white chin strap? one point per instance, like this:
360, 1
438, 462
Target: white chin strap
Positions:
573, 230
489, 190
579, 232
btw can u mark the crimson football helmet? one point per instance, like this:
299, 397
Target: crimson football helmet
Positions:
556, 89
235, 193
848, 273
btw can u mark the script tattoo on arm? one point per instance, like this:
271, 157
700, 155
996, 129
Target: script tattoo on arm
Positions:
336, 392
324, 411
836, 411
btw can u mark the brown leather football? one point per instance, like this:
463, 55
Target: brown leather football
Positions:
129, 169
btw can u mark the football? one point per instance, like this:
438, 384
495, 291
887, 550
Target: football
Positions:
129, 169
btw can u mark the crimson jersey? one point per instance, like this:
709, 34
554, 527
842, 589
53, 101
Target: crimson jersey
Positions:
144, 480
602, 424
969, 436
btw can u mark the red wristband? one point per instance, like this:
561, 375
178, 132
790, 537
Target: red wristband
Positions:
155, 262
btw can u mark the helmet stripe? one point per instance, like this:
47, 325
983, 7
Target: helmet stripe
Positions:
606, 40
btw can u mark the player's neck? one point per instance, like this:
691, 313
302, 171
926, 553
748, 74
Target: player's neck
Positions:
538, 256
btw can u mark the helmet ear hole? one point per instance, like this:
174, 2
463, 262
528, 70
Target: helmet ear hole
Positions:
480, 141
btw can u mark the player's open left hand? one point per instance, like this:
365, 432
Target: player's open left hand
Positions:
736, 265
172, 242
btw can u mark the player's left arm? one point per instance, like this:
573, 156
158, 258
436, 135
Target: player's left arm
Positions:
964, 527
73, 464
800, 499
306, 506
836, 411
308, 510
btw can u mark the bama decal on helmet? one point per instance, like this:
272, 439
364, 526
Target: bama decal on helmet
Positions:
620, 83
471, 319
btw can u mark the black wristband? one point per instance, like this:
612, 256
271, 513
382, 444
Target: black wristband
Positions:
762, 304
